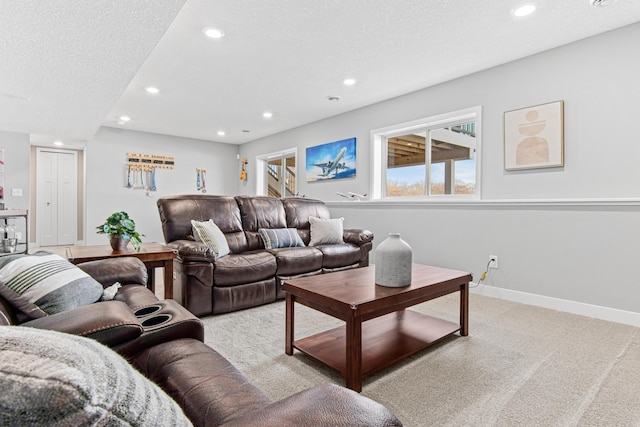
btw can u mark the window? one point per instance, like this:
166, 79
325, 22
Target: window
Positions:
432, 157
279, 176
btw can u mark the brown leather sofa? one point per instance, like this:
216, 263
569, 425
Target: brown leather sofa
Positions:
251, 275
164, 342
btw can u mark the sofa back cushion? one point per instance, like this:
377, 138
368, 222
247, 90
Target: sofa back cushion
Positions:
259, 212
298, 210
176, 213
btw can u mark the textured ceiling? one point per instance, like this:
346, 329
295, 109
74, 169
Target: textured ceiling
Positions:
65, 63
84, 64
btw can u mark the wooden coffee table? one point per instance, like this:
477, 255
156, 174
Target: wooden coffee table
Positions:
378, 331
152, 254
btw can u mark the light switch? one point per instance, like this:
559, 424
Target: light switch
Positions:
16, 192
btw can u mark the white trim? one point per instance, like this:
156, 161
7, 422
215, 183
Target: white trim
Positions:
459, 202
589, 310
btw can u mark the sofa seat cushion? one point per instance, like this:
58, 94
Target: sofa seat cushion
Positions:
293, 261
336, 256
236, 269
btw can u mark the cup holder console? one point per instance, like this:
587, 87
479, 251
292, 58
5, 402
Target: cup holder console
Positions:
155, 321
145, 311
163, 321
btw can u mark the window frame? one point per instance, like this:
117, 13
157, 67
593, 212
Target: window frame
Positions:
379, 152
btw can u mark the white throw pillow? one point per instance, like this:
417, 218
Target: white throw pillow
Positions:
208, 233
326, 231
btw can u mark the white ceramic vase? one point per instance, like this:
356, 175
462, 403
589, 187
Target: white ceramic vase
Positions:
393, 262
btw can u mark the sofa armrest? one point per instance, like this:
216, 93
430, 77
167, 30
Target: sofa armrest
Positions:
190, 250
109, 322
207, 386
324, 405
126, 270
356, 236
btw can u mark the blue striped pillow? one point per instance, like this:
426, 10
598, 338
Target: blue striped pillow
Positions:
44, 283
280, 237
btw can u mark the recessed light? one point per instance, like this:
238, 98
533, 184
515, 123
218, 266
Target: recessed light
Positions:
152, 89
349, 82
221, 133
333, 98
213, 33
525, 10
125, 118
267, 115
58, 143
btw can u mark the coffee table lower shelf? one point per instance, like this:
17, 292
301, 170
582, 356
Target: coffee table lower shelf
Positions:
386, 340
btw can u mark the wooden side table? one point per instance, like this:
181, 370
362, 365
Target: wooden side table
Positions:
152, 254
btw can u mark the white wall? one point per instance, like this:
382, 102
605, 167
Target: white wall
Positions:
106, 192
16, 168
16, 172
569, 248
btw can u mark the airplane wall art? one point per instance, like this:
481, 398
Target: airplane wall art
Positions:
334, 160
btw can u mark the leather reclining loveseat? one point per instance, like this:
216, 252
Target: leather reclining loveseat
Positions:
164, 342
250, 275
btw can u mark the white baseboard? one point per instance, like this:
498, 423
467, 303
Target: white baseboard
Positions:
589, 310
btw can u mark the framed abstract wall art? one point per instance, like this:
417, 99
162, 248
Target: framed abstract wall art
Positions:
334, 160
534, 137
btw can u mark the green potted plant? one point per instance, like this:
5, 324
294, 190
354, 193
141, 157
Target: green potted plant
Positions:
121, 230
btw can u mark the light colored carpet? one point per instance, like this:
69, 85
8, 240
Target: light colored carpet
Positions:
520, 365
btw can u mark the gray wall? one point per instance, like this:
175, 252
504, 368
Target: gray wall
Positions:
106, 192
561, 233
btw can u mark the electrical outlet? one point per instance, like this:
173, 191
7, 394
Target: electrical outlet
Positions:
493, 261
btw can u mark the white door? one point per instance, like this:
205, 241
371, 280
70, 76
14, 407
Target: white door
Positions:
56, 197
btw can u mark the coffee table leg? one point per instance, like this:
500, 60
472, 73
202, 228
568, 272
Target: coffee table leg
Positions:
354, 353
288, 334
464, 310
